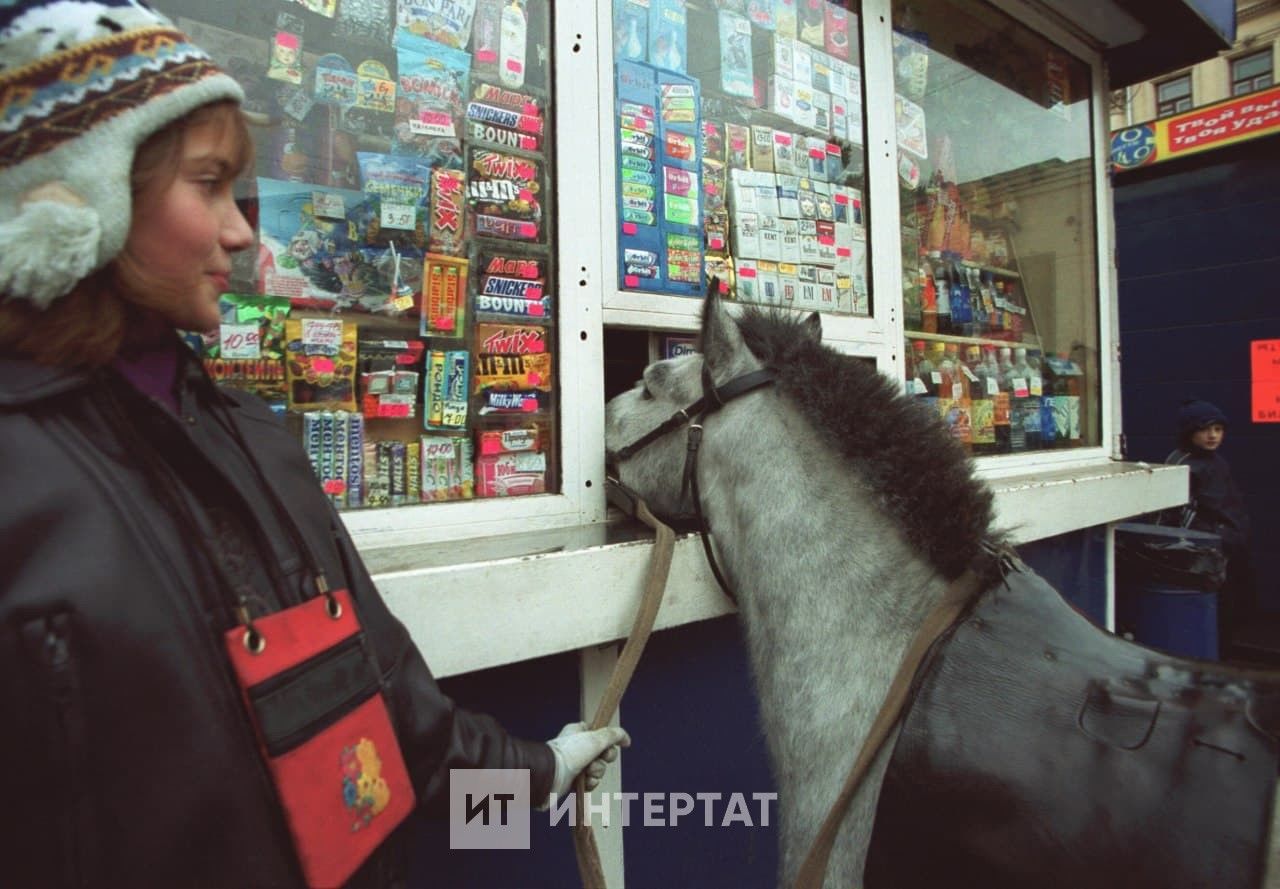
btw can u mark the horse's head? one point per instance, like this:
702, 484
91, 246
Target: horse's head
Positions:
655, 470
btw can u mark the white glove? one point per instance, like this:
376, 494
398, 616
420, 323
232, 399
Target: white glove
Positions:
577, 749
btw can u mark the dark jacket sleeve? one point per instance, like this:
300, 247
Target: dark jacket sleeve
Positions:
435, 735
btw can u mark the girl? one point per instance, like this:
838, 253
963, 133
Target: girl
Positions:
151, 520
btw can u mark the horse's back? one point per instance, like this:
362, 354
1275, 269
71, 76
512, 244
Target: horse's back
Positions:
1042, 751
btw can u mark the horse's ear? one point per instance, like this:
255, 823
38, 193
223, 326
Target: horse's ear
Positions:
812, 327
720, 339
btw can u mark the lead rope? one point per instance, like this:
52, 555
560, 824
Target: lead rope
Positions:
957, 596
584, 841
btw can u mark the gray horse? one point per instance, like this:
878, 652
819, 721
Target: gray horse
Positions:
840, 512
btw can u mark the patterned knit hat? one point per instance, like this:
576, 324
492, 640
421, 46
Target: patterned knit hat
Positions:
82, 84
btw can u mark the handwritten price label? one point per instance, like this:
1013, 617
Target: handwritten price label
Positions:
328, 205
401, 216
240, 341
1265, 361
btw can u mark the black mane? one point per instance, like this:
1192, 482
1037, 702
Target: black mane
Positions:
919, 474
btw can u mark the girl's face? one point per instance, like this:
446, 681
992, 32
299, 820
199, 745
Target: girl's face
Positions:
1209, 437
185, 230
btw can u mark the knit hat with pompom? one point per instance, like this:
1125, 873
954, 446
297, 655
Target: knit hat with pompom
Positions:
82, 84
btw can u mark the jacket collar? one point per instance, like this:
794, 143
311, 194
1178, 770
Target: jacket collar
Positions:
24, 382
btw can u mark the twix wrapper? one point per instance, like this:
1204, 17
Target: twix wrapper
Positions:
444, 281
447, 233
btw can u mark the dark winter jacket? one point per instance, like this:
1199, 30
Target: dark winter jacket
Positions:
1215, 502
128, 758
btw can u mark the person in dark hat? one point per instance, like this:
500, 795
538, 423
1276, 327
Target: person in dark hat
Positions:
1216, 505
201, 683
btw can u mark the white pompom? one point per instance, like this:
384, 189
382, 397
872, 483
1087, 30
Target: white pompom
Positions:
47, 249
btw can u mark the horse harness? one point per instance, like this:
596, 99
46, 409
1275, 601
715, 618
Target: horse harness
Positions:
713, 398
942, 617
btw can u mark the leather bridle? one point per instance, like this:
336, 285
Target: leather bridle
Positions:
713, 398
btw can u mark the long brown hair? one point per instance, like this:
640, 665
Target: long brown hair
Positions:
86, 327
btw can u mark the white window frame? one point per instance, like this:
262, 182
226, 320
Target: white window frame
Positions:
1254, 86
1177, 108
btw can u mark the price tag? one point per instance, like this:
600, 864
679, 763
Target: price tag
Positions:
402, 303
973, 378
1037, 386
1020, 389
957, 391
993, 388
401, 216
918, 387
239, 341
328, 205
936, 376
322, 333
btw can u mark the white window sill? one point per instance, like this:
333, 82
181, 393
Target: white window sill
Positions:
471, 605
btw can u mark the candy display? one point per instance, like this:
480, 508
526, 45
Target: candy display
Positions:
738, 172
400, 309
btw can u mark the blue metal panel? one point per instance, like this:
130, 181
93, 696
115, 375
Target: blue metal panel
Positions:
1198, 271
1219, 13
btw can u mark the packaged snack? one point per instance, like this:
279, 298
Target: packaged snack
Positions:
248, 352
444, 296
510, 339
502, 401
631, 29
513, 372
510, 440
735, 55
431, 95
315, 249
389, 368
447, 472
504, 118
320, 361
447, 228
504, 193
447, 389
368, 21
396, 179
511, 475
445, 21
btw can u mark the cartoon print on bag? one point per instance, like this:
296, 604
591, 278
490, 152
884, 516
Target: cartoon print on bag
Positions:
364, 790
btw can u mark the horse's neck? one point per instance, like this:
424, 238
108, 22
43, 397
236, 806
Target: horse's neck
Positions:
829, 589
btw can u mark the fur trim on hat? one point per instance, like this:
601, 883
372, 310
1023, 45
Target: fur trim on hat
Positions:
59, 245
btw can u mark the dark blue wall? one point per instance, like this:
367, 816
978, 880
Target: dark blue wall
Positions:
693, 718
1199, 267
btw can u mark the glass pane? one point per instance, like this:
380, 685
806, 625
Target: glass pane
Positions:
1251, 66
999, 240
740, 151
398, 309
1173, 89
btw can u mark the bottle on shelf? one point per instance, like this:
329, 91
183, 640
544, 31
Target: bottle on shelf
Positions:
1043, 388
1066, 399
942, 285
1035, 393
1014, 374
981, 404
953, 400
961, 307
921, 382
928, 297
981, 316
999, 392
